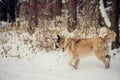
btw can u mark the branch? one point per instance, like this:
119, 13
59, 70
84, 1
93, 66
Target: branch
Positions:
104, 14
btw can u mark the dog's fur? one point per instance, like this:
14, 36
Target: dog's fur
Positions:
78, 48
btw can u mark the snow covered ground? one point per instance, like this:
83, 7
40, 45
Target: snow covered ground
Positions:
53, 65
21, 59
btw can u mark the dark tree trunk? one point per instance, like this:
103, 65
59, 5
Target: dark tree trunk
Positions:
72, 14
57, 8
18, 9
105, 3
114, 22
7, 8
3, 11
32, 14
11, 10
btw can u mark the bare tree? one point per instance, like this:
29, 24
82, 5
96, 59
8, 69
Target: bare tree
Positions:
32, 14
8, 10
72, 13
57, 8
11, 10
105, 3
114, 22
3, 10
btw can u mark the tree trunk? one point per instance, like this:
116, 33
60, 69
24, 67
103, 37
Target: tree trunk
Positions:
3, 11
72, 14
57, 8
114, 22
11, 10
32, 14
105, 3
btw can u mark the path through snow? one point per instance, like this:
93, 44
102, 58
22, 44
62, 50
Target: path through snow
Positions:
54, 66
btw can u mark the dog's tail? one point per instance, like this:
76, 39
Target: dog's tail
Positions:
107, 34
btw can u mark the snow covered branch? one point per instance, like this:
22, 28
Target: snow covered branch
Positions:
104, 14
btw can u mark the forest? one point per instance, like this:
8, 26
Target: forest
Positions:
30, 29
70, 14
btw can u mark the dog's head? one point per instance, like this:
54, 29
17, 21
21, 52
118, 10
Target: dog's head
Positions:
60, 42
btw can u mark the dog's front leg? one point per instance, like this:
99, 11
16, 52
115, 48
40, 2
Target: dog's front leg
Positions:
71, 62
74, 62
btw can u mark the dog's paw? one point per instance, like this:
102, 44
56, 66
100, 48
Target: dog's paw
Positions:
107, 66
75, 67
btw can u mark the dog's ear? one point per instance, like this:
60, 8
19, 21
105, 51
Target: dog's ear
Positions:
58, 37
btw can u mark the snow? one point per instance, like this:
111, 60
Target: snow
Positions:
53, 66
104, 14
3, 24
19, 61
22, 59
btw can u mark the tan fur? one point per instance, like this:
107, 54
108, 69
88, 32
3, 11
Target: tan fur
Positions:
78, 48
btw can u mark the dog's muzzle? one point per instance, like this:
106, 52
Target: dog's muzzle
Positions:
56, 46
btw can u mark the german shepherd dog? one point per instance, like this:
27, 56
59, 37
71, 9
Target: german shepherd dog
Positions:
78, 48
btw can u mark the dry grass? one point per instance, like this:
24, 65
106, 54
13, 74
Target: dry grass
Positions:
44, 36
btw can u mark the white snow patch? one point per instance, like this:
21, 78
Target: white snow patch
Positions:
53, 66
3, 24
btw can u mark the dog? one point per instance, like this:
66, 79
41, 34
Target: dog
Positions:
82, 47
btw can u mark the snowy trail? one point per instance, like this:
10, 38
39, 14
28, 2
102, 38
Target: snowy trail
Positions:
24, 76
54, 67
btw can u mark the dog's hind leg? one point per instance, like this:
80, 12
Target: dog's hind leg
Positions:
101, 55
103, 59
108, 58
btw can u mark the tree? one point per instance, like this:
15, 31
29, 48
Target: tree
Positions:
8, 10
105, 3
57, 8
3, 10
32, 14
54, 8
49, 8
11, 9
72, 15
114, 22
